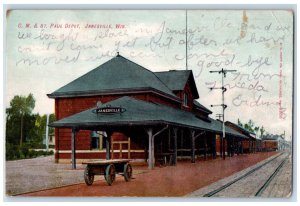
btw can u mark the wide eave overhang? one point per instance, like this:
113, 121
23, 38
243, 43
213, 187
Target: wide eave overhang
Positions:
125, 91
141, 113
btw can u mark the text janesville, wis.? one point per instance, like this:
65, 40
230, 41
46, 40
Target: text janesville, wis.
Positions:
87, 26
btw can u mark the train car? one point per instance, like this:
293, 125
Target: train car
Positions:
270, 145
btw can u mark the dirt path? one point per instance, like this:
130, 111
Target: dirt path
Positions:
38, 174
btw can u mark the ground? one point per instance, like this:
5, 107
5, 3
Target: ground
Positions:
249, 185
168, 181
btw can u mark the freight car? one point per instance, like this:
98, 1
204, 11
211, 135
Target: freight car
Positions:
269, 145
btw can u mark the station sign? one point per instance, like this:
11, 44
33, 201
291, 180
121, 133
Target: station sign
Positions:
109, 110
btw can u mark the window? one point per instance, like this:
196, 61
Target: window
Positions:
185, 99
98, 140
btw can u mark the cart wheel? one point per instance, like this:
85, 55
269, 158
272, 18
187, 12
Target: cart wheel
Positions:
88, 177
127, 172
110, 174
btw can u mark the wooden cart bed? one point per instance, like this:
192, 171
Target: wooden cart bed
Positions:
108, 168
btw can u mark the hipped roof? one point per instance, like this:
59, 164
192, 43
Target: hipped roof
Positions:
116, 75
143, 113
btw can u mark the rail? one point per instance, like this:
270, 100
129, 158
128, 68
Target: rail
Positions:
259, 192
264, 187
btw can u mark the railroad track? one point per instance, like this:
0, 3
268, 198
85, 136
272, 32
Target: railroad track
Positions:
263, 187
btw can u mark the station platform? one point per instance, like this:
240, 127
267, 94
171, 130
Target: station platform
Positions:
169, 181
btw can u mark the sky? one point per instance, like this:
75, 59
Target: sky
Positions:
48, 49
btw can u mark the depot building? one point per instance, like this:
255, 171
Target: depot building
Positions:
122, 110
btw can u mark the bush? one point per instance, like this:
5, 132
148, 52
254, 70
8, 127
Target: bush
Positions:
31, 154
24, 150
15, 152
12, 152
22, 156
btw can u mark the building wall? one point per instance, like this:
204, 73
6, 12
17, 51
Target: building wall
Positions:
136, 155
157, 99
246, 145
188, 91
65, 107
68, 106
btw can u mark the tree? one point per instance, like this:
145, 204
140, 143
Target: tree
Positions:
240, 123
250, 126
262, 131
40, 128
20, 106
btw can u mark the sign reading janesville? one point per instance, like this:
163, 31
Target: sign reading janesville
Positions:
110, 110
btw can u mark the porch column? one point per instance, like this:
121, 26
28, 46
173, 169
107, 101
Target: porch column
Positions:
228, 140
205, 147
193, 146
181, 144
214, 148
107, 141
150, 149
175, 146
169, 138
221, 146
242, 148
151, 136
73, 145
249, 146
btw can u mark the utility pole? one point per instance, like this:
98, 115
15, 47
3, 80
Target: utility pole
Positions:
219, 116
224, 106
186, 47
